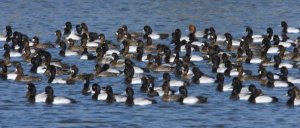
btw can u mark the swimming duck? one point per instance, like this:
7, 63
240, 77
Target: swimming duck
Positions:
190, 100
130, 101
64, 52
168, 94
69, 33
31, 95
86, 90
20, 77
192, 29
37, 44
52, 79
257, 97
8, 35
294, 99
106, 71
279, 64
284, 76
155, 36
200, 78
271, 82
51, 99
85, 55
173, 83
286, 29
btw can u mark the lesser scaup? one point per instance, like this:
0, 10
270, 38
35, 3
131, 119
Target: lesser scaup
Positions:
190, 100
51, 99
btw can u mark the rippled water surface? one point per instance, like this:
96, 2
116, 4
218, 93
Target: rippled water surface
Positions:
41, 18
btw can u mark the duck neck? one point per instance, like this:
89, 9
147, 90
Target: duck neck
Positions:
220, 87
252, 97
62, 52
139, 56
49, 99
195, 79
129, 100
4, 73
51, 78
110, 97
227, 71
291, 100
85, 90
270, 83
31, 96
95, 95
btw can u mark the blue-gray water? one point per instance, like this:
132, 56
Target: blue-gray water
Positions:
41, 18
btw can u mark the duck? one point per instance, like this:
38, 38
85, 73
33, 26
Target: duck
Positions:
278, 63
168, 94
220, 83
74, 74
106, 71
192, 29
37, 44
294, 99
20, 77
110, 96
148, 45
152, 92
236, 83
190, 100
117, 62
200, 78
130, 101
271, 82
86, 90
295, 56
228, 69
51, 99
137, 70
284, 76
31, 95
286, 29
64, 52
131, 77
7, 36
107, 43
53, 80
155, 64
92, 36
145, 85
252, 60
230, 42
68, 33
10, 53
237, 95
257, 97
102, 58
140, 57
124, 30
86, 43
85, 55
173, 83
99, 94
154, 36
253, 38
284, 42
73, 47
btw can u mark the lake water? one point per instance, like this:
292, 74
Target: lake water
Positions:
41, 18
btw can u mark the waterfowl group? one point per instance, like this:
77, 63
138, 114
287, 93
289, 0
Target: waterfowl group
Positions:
162, 70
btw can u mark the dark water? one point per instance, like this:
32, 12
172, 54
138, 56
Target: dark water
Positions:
41, 18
